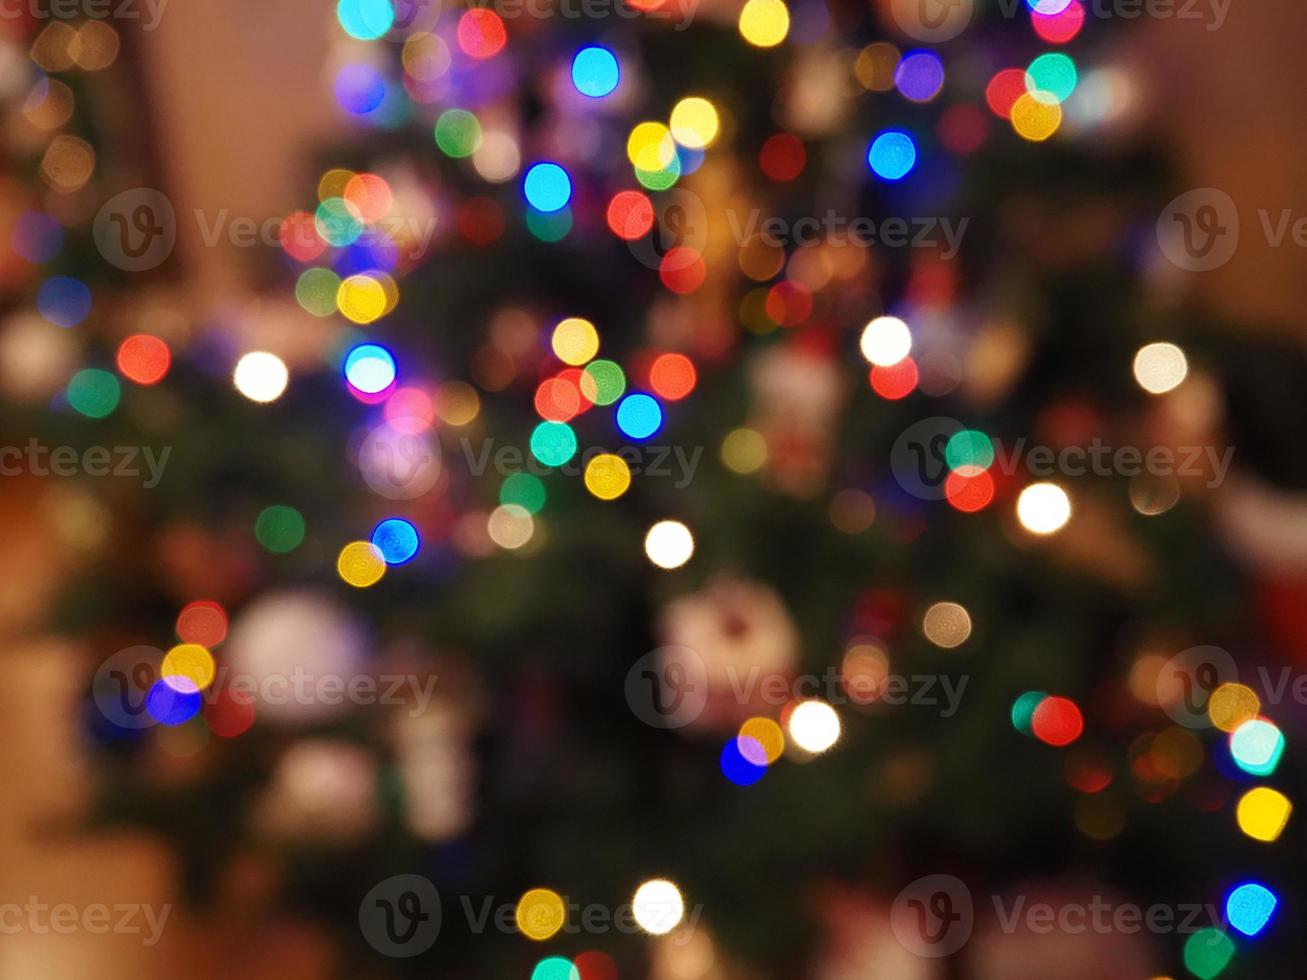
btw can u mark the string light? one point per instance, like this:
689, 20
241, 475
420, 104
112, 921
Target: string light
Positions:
595, 72
669, 544
885, 341
260, 376
1160, 367
814, 726
1262, 813
658, 906
1043, 508
540, 914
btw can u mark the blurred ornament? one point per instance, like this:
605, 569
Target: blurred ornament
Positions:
1028, 950
290, 647
686, 953
433, 751
860, 943
745, 638
816, 99
797, 394
195, 560
323, 791
36, 357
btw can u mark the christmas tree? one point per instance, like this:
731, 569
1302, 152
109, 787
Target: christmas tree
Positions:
707, 524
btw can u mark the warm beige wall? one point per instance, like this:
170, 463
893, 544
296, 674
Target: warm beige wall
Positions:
239, 102
1229, 102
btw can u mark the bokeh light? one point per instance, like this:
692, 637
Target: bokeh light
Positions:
658, 906
1249, 908
946, 624
813, 726
764, 23
892, 155
64, 301
607, 476
1057, 721
1262, 813
360, 564
279, 528
396, 539
261, 376
595, 71
669, 544
540, 914
885, 341
1160, 367
639, 416
93, 392
1043, 508
1257, 746
547, 187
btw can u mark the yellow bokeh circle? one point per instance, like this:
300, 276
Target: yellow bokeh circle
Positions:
362, 298
765, 23
766, 733
1230, 705
189, 661
540, 914
1035, 120
360, 564
650, 146
575, 341
607, 476
694, 122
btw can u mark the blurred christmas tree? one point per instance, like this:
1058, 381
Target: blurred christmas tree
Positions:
683, 372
